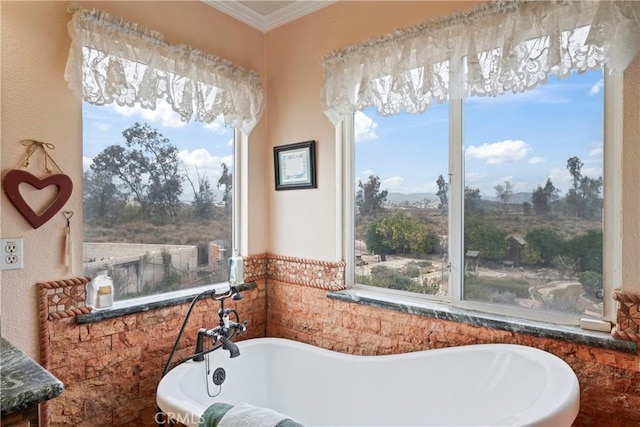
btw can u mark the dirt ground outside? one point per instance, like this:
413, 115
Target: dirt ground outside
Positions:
547, 287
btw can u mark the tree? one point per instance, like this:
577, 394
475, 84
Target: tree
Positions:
159, 159
369, 198
586, 249
101, 198
481, 234
504, 194
443, 194
542, 199
203, 197
226, 181
146, 169
398, 233
546, 242
472, 199
583, 198
114, 161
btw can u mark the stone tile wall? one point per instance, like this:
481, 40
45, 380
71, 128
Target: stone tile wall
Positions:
628, 321
111, 368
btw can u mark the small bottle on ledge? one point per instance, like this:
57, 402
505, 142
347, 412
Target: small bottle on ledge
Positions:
100, 291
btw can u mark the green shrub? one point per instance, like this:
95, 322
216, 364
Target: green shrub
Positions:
508, 298
387, 278
481, 234
546, 242
483, 288
587, 249
591, 281
411, 269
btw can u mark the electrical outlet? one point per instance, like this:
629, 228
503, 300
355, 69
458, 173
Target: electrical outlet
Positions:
11, 257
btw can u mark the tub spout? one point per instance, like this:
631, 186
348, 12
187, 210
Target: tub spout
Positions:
229, 345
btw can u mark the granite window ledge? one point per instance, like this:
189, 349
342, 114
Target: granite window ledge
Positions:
495, 321
152, 302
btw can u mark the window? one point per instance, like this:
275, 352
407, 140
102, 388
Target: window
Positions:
402, 200
488, 52
493, 203
165, 127
158, 199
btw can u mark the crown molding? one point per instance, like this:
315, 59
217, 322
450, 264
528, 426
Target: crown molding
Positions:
268, 22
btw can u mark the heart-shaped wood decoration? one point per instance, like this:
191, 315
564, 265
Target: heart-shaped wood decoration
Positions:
15, 177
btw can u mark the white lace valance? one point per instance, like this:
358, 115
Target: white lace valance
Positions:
496, 48
114, 61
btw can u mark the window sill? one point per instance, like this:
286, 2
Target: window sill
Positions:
151, 302
372, 298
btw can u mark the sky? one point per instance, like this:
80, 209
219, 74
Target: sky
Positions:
202, 147
524, 139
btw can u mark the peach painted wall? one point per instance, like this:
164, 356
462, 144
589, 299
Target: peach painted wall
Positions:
294, 54
37, 104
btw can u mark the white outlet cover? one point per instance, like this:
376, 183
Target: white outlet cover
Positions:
11, 254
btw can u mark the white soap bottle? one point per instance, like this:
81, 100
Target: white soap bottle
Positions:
236, 270
100, 291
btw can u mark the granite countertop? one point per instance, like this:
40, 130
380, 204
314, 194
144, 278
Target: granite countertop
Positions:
23, 382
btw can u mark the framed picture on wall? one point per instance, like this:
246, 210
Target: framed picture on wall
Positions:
295, 166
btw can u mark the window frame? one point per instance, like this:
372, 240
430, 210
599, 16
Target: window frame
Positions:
612, 215
239, 223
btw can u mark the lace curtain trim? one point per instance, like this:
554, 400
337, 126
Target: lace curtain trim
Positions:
114, 61
503, 46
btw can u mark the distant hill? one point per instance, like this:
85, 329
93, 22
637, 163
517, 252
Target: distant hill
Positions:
520, 198
399, 198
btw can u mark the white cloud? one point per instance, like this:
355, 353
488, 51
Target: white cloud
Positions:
473, 178
163, 114
597, 87
365, 127
502, 180
597, 149
536, 160
102, 126
516, 186
86, 163
500, 152
595, 152
368, 172
561, 178
202, 159
392, 183
217, 126
594, 172
201, 162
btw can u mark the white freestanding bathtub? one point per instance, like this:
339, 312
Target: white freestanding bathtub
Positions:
476, 385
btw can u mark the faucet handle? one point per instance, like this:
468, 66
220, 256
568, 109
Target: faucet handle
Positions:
237, 296
240, 327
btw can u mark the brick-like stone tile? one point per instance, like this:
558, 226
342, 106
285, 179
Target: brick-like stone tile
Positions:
91, 331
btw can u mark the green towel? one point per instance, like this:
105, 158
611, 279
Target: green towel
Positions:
289, 423
214, 413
